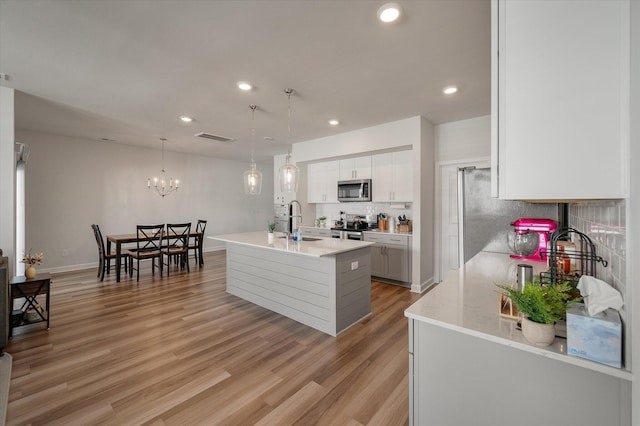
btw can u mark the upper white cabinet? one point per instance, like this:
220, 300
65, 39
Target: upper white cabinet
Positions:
392, 176
355, 168
322, 182
560, 99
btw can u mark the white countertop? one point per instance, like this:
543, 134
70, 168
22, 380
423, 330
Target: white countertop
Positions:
468, 301
321, 247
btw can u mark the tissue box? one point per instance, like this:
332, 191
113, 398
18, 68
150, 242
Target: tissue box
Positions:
597, 338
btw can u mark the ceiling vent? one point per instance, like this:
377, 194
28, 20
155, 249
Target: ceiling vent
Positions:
213, 137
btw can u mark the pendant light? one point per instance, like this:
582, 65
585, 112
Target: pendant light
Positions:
288, 172
160, 184
252, 177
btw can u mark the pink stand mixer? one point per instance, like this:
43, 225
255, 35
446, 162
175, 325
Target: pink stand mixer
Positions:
530, 238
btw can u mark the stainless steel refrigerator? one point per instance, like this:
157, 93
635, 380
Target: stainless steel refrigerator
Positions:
485, 222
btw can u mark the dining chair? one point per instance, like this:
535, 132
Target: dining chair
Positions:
148, 247
194, 242
104, 258
177, 246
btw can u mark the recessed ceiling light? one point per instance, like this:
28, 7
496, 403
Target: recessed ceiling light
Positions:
186, 119
450, 90
244, 85
389, 12
334, 122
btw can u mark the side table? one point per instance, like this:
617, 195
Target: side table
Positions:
29, 289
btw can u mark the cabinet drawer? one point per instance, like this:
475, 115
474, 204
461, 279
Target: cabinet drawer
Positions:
391, 239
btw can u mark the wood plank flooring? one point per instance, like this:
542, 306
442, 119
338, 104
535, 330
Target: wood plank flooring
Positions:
181, 351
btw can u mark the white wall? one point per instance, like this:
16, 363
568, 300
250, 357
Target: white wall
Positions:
425, 182
464, 139
633, 207
72, 183
386, 136
7, 176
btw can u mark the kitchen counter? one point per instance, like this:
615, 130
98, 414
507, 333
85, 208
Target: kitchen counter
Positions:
321, 247
325, 284
464, 354
468, 300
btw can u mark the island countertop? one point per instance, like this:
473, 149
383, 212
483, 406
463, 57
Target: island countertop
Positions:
467, 301
319, 247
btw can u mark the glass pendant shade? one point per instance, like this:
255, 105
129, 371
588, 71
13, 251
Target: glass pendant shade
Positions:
253, 177
253, 181
289, 174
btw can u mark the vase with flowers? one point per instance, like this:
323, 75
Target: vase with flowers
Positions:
31, 260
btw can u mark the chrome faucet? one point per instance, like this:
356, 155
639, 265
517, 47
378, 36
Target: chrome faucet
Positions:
291, 216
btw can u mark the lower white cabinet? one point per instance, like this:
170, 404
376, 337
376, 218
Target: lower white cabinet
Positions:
309, 231
390, 256
481, 373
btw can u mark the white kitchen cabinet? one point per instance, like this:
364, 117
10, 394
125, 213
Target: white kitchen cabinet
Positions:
355, 168
392, 176
560, 110
322, 182
390, 256
309, 231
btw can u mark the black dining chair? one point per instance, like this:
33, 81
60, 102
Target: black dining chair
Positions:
104, 258
177, 245
194, 242
148, 247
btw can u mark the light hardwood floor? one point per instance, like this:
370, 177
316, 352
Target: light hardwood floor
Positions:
181, 351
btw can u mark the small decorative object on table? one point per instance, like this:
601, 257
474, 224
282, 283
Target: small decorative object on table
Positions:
31, 260
541, 307
323, 221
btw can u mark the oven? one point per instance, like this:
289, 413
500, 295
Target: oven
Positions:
346, 234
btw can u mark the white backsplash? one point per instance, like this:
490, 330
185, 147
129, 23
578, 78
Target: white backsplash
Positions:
605, 223
332, 211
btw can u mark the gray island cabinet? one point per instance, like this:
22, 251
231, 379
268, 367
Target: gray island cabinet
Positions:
470, 366
325, 283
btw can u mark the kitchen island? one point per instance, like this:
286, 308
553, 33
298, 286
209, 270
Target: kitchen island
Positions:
324, 283
462, 353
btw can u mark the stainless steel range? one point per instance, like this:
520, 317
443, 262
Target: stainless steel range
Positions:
353, 227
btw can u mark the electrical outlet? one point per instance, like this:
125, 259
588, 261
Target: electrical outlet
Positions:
354, 265
65, 252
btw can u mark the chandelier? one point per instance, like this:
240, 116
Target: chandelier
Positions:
160, 184
252, 177
288, 172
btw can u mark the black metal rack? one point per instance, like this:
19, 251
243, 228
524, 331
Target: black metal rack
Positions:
584, 257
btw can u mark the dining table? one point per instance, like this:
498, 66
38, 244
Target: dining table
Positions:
120, 239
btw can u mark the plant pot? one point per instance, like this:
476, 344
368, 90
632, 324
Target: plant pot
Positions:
270, 237
30, 272
538, 334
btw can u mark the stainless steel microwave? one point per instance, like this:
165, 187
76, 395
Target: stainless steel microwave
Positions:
354, 190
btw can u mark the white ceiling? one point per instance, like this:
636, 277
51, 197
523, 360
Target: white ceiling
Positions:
125, 70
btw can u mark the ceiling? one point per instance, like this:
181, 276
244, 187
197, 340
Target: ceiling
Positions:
125, 70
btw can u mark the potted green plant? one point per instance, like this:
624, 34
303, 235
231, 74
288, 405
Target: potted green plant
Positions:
271, 227
541, 306
323, 220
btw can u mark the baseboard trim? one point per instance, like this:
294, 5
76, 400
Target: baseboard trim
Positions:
94, 265
422, 287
